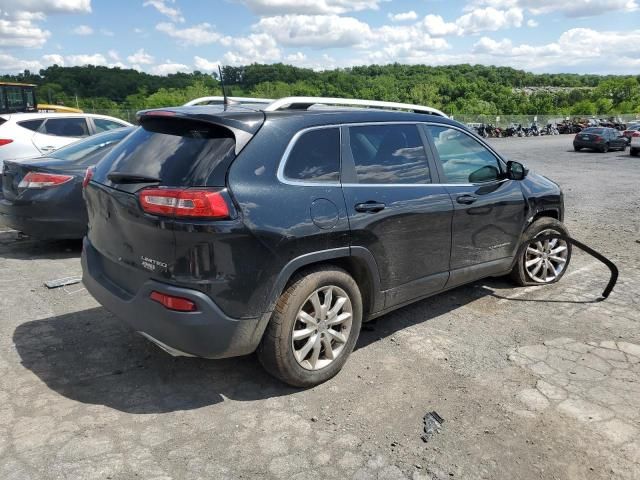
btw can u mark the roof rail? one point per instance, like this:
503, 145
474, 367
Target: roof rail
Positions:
303, 103
219, 100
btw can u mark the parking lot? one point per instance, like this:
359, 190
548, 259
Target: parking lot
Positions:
533, 383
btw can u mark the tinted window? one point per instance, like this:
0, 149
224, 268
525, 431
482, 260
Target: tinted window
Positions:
29, 97
315, 156
14, 98
597, 131
66, 127
179, 152
103, 125
389, 154
31, 124
3, 104
91, 146
463, 158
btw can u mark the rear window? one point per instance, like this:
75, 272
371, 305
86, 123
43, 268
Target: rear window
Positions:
597, 131
66, 127
179, 152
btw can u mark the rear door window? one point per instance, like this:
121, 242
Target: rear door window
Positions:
179, 152
32, 125
389, 154
65, 127
315, 157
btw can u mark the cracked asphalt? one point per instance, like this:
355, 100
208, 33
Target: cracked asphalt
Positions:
533, 383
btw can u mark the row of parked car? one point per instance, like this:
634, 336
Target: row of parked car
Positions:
279, 227
603, 139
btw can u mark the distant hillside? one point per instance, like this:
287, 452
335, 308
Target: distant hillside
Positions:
456, 89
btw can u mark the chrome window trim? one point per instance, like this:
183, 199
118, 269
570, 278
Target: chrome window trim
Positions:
285, 156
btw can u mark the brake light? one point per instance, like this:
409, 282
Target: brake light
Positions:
635, 134
184, 203
43, 180
5, 141
173, 303
88, 175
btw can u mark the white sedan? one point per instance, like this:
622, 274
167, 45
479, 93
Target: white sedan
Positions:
27, 135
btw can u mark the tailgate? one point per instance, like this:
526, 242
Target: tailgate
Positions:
134, 246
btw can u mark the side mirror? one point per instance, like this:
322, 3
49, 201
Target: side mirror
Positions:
516, 171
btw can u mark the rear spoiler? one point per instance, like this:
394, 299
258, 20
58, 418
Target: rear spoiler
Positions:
243, 125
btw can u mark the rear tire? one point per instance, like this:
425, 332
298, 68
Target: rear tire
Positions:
577, 149
525, 275
633, 152
604, 148
323, 344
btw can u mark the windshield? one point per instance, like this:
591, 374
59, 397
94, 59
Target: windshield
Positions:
80, 150
598, 131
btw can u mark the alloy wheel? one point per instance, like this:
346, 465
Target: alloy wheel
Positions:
545, 260
322, 327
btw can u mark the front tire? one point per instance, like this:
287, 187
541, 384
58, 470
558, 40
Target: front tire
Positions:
314, 327
577, 149
633, 152
604, 148
542, 262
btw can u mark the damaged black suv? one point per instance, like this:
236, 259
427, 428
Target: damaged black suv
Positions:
217, 232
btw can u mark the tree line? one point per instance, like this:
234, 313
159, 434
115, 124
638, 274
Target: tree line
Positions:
455, 89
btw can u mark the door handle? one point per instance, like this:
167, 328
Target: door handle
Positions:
48, 148
370, 207
466, 199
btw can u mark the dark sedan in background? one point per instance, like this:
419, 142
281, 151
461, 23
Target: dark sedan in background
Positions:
602, 139
42, 197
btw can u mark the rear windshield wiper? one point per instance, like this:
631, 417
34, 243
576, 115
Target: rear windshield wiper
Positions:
120, 177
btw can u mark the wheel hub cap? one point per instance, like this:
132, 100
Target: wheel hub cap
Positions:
545, 261
322, 328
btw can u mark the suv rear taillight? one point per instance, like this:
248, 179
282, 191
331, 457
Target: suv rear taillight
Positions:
635, 134
5, 141
43, 180
88, 175
189, 203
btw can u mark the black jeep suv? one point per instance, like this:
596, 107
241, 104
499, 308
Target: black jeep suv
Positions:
219, 232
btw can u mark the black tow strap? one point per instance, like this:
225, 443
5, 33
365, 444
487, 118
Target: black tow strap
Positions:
597, 255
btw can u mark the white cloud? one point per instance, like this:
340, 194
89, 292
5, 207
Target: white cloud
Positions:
85, 59
532, 23
403, 17
10, 64
169, 68
53, 59
19, 31
255, 48
574, 8
599, 52
204, 65
162, 6
324, 31
197, 35
309, 7
46, 6
490, 19
436, 26
140, 58
113, 55
295, 58
82, 30
106, 32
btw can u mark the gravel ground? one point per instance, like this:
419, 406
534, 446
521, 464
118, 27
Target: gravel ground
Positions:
533, 383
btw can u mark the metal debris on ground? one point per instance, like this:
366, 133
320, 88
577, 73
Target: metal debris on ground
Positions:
62, 282
432, 425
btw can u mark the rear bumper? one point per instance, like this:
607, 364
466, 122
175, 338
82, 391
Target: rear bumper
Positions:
593, 145
207, 333
35, 219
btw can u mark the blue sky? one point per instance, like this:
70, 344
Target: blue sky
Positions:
165, 36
